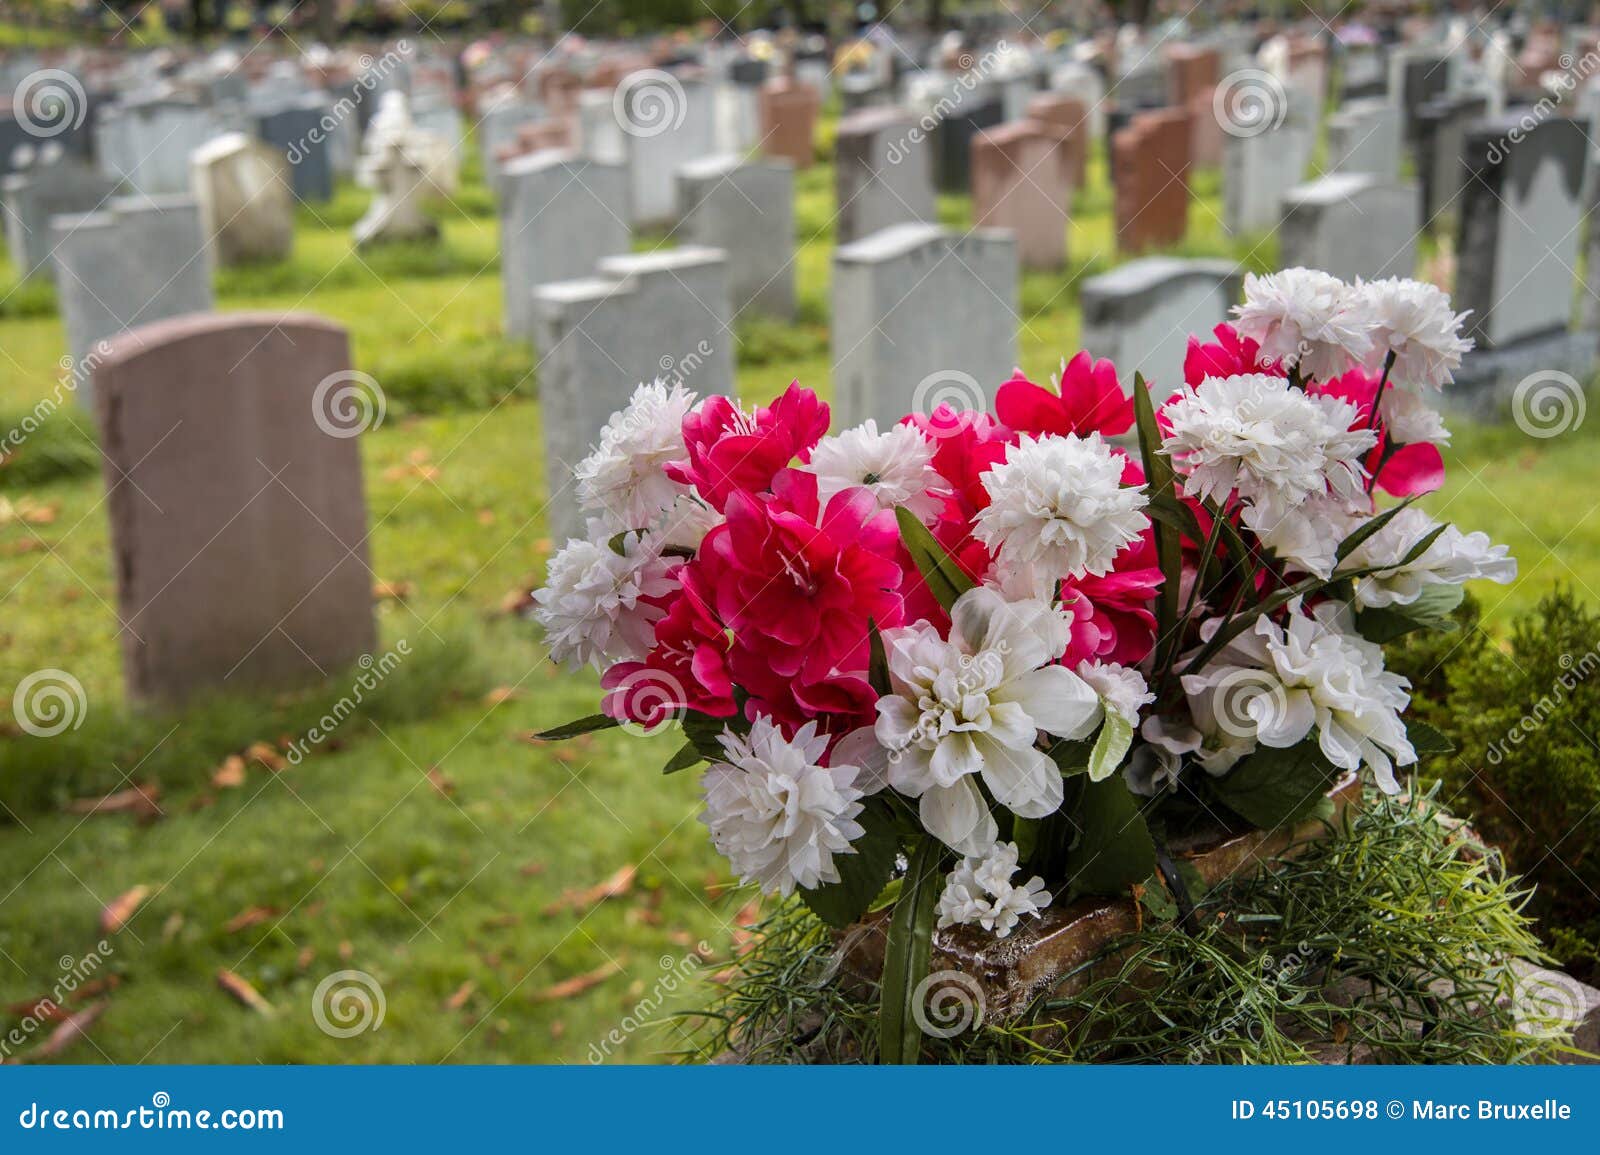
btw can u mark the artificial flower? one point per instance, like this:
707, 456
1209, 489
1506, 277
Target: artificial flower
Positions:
979, 892
1089, 399
728, 450
1452, 558
895, 466
1305, 319
1413, 321
599, 604
1122, 690
1230, 355
775, 812
1059, 502
623, 475
973, 705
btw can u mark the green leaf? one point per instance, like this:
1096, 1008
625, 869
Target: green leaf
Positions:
1274, 787
877, 661
907, 954
862, 875
1422, 546
1426, 740
1025, 833
688, 755
1158, 900
1431, 611
1111, 747
1070, 757
1159, 485
1366, 529
587, 725
1114, 848
945, 580
703, 730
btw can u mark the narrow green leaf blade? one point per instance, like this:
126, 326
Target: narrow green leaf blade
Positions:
589, 725
688, 755
945, 580
909, 950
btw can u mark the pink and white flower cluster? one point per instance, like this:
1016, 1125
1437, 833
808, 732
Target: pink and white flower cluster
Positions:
958, 626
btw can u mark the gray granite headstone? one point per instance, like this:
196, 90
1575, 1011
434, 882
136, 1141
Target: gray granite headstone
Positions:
1441, 129
296, 132
745, 208
1518, 231
246, 203
238, 525
1351, 225
922, 314
53, 183
639, 317
953, 138
1140, 315
559, 216
1257, 169
1365, 136
134, 261
883, 173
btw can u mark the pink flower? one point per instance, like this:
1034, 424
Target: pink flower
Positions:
797, 585
730, 450
1091, 400
967, 444
1230, 355
1111, 616
687, 669
1412, 469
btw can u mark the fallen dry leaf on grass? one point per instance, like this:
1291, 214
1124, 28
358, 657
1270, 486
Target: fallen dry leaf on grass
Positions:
437, 779
501, 694
464, 992
245, 919
265, 754
138, 799
518, 601
119, 910
241, 990
72, 1028
28, 511
577, 984
578, 900
230, 774
392, 591
44, 1008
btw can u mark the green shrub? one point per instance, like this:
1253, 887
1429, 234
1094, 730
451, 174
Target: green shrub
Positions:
50, 443
445, 376
1525, 719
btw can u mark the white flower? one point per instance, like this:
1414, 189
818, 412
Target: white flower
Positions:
896, 465
623, 475
1272, 443
1413, 320
979, 891
1060, 502
775, 814
1156, 762
1305, 318
1313, 674
593, 606
1122, 689
1409, 419
683, 524
1307, 536
1453, 558
974, 706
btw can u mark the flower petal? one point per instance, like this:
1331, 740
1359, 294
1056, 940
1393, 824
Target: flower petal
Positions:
1058, 701
958, 817
1025, 782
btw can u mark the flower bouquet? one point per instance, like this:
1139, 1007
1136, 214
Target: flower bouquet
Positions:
975, 663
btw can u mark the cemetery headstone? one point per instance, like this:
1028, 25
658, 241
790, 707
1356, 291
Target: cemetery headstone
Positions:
1364, 136
241, 189
1141, 313
1152, 192
1065, 117
397, 212
1260, 165
133, 261
977, 114
1441, 129
238, 525
559, 215
296, 131
883, 173
746, 209
1351, 225
51, 183
788, 120
1016, 186
639, 317
922, 314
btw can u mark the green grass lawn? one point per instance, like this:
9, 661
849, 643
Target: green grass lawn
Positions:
428, 844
